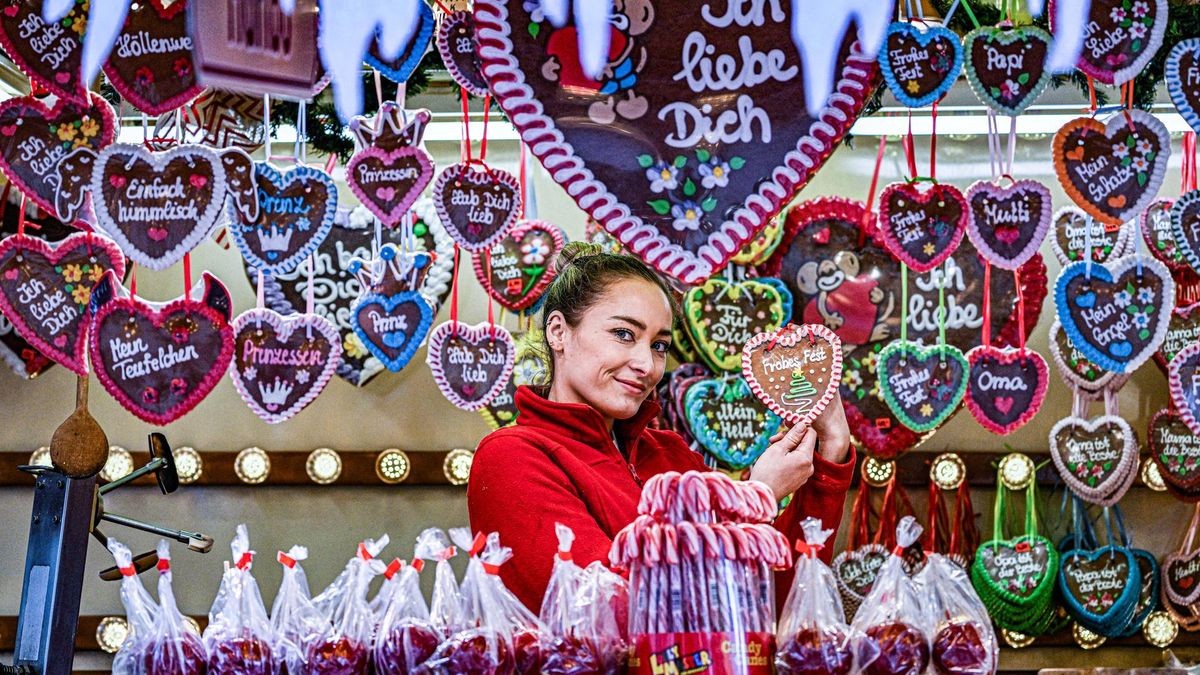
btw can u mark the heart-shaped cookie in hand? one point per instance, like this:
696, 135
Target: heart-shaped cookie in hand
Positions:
795, 370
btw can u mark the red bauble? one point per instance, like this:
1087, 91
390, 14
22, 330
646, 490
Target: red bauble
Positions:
902, 650
814, 651
476, 652
570, 655
959, 649
527, 650
246, 655
181, 656
407, 645
342, 656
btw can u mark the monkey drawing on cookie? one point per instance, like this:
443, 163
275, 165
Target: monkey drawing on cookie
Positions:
850, 304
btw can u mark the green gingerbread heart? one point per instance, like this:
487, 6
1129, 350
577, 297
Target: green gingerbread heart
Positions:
923, 386
721, 317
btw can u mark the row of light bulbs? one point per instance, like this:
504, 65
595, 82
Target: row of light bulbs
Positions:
1016, 470
253, 465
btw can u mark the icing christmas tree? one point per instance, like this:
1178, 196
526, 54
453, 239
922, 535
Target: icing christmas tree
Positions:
802, 391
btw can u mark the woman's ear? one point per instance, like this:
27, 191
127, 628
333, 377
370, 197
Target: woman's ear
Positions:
556, 331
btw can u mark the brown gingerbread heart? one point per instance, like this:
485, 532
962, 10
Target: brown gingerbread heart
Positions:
795, 371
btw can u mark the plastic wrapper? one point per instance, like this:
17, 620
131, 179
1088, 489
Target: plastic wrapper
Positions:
813, 637
174, 647
445, 604
405, 638
295, 620
140, 611
239, 636
892, 616
345, 646
963, 640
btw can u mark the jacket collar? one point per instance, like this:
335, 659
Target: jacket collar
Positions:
579, 421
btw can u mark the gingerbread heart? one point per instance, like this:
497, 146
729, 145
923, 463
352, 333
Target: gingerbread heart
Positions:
295, 214
477, 206
1019, 569
1008, 224
1079, 372
1183, 375
722, 316
45, 290
388, 182
1116, 314
920, 64
1119, 38
795, 370
728, 421
1095, 457
922, 227
156, 206
151, 64
49, 53
1185, 227
1181, 577
1156, 229
1176, 451
470, 364
1100, 586
34, 137
682, 185
1112, 170
456, 41
1006, 387
1070, 241
1183, 86
1183, 330
1006, 66
280, 364
392, 326
400, 68
856, 571
159, 360
516, 270
923, 386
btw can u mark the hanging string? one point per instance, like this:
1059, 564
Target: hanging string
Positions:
261, 303
20, 212
942, 304
903, 302
309, 303
987, 303
1188, 170
132, 278
187, 273
301, 148
454, 292
866, 217
466, 128
267, 127
1021, 329
933, 143
909, 151
487, 109
378, 87
523, 180
1012, 145
993, 138
1091, 95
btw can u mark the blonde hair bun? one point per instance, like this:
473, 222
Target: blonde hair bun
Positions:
574, 251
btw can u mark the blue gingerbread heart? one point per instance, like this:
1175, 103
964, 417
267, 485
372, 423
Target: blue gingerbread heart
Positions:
296, 210
729, 421
785, 294
392, 327
401, 68
920, 66
1148, 572
1100, 588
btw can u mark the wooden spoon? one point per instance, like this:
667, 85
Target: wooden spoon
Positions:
79, 447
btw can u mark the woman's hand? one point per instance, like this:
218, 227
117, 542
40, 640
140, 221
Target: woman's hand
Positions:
787, 463
833, 433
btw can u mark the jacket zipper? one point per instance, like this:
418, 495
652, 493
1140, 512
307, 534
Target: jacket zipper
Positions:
628, 464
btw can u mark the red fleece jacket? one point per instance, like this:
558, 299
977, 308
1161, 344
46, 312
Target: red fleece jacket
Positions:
559, 465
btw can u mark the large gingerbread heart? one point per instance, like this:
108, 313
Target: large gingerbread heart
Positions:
516, 270
281, 363
477, 206
920, 64
1116, 314
728, 421
1119, 37
470, 364
50, 54
722, 316
1095, 458
1006, 387
1112, 170
1176, 451
683, 162
1006, 66
795, 370
1007, 224
45, 290
1184, 87
923, 386
156, 206
296, 212
1183, 330
922, 224
1101, 586
159, 360
1071, 231
151, 64
388, 181
34, 137
391, 326
1181, 577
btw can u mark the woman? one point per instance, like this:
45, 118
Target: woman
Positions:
581, 449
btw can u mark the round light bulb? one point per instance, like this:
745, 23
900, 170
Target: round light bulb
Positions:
324, 466
948, 471
40, 457
457, 466
119, 464
392, 466
252, 465
188, 464
111, 633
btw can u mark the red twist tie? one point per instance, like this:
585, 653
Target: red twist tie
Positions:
363, 553
449, 553
478, 544
393, 567
129, 571
246, 560
805, 548
491, 569
898, 551
285, 560
565, 555
164, 565
418, 565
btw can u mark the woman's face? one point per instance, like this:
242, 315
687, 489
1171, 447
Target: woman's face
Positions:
617, 353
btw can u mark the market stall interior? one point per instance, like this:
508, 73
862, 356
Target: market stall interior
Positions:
302, 248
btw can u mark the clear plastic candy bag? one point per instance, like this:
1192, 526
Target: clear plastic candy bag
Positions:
813, 637
602, 615
445, 605
964, 642
140, 611
892, 615
406, 638
295, 621
345, 646
239, 636
174, 648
